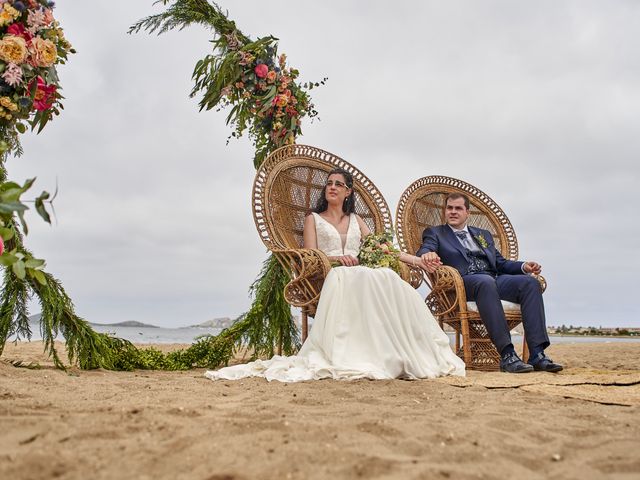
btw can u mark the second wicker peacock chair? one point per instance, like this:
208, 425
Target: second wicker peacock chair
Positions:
422, 206
285, 191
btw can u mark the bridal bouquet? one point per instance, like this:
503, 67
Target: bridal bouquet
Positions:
377, 251
31, 45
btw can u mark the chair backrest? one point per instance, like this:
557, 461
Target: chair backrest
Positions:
422, 205
287, 187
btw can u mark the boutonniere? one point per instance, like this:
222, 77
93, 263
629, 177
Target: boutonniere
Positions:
482, 241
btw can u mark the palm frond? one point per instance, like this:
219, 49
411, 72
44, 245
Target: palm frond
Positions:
14, 315
184, 13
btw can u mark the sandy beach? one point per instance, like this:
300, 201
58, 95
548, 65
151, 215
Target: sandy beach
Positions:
582, 423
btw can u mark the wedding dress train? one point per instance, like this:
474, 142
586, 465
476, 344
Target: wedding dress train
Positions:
369, 324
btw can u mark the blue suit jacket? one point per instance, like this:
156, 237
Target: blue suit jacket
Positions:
444, 242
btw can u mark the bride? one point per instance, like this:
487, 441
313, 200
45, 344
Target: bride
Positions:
369, 322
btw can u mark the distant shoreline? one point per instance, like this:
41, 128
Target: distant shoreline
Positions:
594, 336
129, 323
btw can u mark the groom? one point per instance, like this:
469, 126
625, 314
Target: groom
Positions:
488, 277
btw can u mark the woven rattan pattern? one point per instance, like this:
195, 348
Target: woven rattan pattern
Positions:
422, 206
286, 189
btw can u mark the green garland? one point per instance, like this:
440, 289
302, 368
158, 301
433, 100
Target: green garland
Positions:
247, 76
265, 326
85, 347
261, 91
255, 83
30, 95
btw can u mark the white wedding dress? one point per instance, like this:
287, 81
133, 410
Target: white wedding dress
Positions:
369, 324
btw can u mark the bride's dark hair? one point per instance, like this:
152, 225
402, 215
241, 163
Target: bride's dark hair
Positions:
349, 205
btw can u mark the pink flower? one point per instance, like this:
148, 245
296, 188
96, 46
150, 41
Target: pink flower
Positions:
245, 58
36, 19
261, 70
1, 245
43, 52
48, 16
45, 95
12, 74
17, 29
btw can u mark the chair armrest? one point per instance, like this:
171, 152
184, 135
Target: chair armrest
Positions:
542, 281
447, 291
414, 276
308, 268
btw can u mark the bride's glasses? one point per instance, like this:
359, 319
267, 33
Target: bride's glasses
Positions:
336, 183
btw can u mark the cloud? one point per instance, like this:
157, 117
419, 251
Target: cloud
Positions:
536, 104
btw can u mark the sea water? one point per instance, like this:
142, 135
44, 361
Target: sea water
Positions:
191, 334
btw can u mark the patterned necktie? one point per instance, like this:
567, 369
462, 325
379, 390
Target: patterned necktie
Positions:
462, 235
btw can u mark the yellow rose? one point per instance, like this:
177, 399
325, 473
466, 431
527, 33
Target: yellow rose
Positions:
7, 103
8, 15
13, 49
43, 52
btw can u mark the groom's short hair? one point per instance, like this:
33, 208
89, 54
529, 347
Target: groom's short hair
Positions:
455, 196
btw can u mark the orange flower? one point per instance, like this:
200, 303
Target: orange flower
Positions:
282, 100
13, 49
43, 52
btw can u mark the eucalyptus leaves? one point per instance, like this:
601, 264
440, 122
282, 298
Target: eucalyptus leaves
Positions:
247, 76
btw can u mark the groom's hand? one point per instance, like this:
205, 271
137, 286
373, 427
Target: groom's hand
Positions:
532, 267
430, 261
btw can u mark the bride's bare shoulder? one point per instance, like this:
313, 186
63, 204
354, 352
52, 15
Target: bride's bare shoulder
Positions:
310, 219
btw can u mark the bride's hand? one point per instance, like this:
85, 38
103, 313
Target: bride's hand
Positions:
348, 261
430, 262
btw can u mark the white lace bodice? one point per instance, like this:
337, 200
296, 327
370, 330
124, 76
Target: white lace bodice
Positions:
330, 241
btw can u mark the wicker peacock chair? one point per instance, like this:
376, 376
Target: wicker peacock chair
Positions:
285, 190
421, 206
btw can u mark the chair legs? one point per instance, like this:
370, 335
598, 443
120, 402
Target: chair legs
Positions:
466, 342
525, 349
477, 351
305, 325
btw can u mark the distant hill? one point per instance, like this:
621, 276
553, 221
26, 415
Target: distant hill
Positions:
223, 322
128, 323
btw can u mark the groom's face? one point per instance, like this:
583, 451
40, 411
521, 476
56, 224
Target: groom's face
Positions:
456, 213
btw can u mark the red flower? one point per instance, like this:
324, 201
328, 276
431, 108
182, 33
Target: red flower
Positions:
45, 95
261, 70
17, 29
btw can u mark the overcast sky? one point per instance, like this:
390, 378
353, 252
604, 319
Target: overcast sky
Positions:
536, 103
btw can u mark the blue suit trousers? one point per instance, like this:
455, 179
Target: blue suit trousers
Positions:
525, 290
